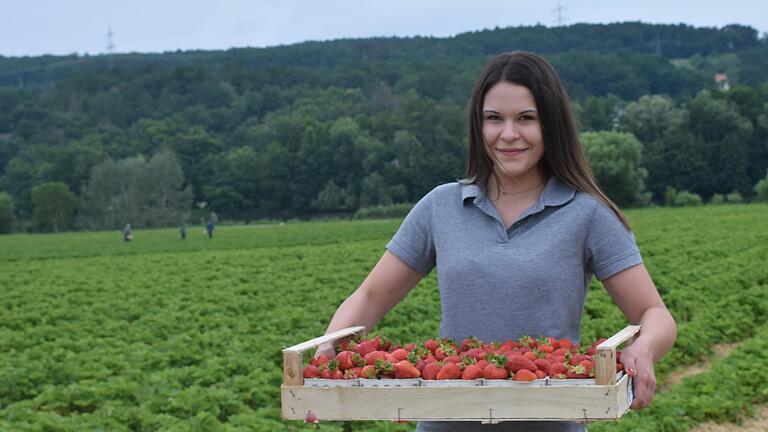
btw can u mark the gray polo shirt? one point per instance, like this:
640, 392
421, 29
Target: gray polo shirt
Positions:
498, 284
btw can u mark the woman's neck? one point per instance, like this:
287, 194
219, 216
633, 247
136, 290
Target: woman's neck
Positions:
499, 187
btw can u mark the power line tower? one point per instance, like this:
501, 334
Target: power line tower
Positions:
110, 45
559, 18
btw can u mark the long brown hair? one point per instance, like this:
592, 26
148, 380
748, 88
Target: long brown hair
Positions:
563, 154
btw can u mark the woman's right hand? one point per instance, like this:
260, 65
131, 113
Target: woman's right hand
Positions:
327, 350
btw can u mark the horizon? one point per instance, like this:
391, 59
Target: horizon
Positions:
44, 27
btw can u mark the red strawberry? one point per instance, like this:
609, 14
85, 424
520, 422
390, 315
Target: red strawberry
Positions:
576, 372
542, 365
524, 375
470, 343
453, 359
371, 357
540, 374
311, 371
565, 343
368, 371
349, 359
482, 363
365, 347
431, 370
558, 370
400, 354
353, 373
319, 360
471, 372
517, 362
449, 371
404, 369
495, 372
530, 355
589, 367
553, 341
431, 345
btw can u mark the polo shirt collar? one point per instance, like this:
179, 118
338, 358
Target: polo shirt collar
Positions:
556, 193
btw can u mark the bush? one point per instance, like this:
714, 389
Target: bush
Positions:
717, 199
682, 198
734, 197
687, 199
761, 189
7, 213
384, 212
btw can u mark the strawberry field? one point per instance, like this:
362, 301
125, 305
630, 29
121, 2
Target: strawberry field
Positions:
165, 334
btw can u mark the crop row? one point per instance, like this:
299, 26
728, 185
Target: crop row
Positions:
163, 334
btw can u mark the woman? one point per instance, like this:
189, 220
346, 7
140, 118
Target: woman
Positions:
516, 242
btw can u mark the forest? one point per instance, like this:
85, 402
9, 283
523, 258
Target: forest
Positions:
668, 115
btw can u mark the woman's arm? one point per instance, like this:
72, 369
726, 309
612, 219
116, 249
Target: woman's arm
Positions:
388, 283
636, 295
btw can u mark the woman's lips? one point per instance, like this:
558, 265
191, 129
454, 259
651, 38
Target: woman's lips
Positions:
511, 152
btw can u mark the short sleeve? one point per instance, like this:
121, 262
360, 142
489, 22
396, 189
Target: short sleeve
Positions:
610, 246
413, 242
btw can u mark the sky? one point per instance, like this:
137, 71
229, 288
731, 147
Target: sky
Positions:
37, 27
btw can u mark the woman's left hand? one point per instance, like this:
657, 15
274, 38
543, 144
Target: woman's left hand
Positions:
637, 359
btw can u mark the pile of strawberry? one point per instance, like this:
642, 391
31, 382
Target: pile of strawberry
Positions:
526, 359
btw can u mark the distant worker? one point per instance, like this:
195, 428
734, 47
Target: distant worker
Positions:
209, 229
127, 233
183, 232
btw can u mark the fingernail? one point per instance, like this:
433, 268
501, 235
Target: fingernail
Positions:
631, 372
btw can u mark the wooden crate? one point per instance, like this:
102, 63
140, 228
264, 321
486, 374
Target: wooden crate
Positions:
606, 399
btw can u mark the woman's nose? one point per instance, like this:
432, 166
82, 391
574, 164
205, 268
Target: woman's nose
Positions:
509, 131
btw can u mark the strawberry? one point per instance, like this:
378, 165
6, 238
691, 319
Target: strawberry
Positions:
404, 369
495, 372
385, 369
431, 370
431, 345
542, 365
565, 343
400, 354
365, 347
410, 347
368, 371
319, 360
311, 371
553, 341
470, 343
589, 367
576, 372
349, 359
476, 353
483, 363
353, 373
452, 359
517, 362
449, 371
540, 374
558, 370
530, 355
527, 341
471, 372
524, 375
371, 357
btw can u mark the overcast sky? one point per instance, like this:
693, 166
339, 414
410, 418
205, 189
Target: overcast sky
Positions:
35, 27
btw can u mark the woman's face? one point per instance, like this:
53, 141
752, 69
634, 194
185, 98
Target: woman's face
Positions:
512, 132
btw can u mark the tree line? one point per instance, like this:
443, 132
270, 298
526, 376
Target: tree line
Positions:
337, 126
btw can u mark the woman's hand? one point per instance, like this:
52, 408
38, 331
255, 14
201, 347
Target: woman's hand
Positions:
327, 350
637, 359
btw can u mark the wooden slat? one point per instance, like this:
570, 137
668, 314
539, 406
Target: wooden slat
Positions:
484, 404
605, 358
327, 338
293, 373
620, 337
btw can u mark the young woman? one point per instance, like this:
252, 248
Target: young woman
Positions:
517, 241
